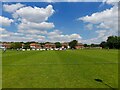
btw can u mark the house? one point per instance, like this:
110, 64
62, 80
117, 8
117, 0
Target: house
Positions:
1, 46
79, 46
50, 45
23, 45
6, 45
65, 45
35, 46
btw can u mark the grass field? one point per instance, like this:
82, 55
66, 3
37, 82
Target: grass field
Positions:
60, 69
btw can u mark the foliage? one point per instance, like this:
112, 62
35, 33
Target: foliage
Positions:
113, 42
103, 44
73, 43
58, 44
85, 45
26, 45
16, 45
94, 45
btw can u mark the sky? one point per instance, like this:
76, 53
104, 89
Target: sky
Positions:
87, 22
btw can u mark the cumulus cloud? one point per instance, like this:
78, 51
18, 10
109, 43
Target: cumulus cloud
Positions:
4, 21
4, 33
57, 35
32, 31
34, 14
19, 36
112, 2
2, 29
12, 7
105, 22
102, 35
34, 19
103, 26
89, 26
96, 18
32, 25
53, 36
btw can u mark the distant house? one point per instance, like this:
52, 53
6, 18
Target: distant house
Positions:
65, 45
79, 46
1, 47
23, 45
35, 46
6, 45
50, 45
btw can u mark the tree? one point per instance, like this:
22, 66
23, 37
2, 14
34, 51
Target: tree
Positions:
16, 45
12, 45
92, 45
118, 42
113, 42
42, 45
58, 44
85, 45
26, 45
103, 44
73, 43
110, 42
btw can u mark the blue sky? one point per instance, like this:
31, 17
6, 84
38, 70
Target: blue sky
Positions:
86, 22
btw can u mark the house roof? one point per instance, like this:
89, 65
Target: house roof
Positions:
79, 44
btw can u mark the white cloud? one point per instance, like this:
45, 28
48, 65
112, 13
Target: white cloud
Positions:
54, 33
33, 20
57, 35
54, 36
2, 29
101, 33
75, 36
32, 31
34, 14
4, 33
12, 7
5, 21
104, 16
19, 36
32, 25
106, 22
89, 26
112, 2
103, 26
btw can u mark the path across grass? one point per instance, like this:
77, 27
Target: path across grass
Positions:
60, 69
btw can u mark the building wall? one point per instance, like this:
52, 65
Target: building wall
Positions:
79, 47
6, 45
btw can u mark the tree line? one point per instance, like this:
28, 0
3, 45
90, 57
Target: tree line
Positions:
112, 42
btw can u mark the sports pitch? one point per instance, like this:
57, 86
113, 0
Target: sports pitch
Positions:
60, 69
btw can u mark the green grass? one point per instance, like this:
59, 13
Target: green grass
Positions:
60, 69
